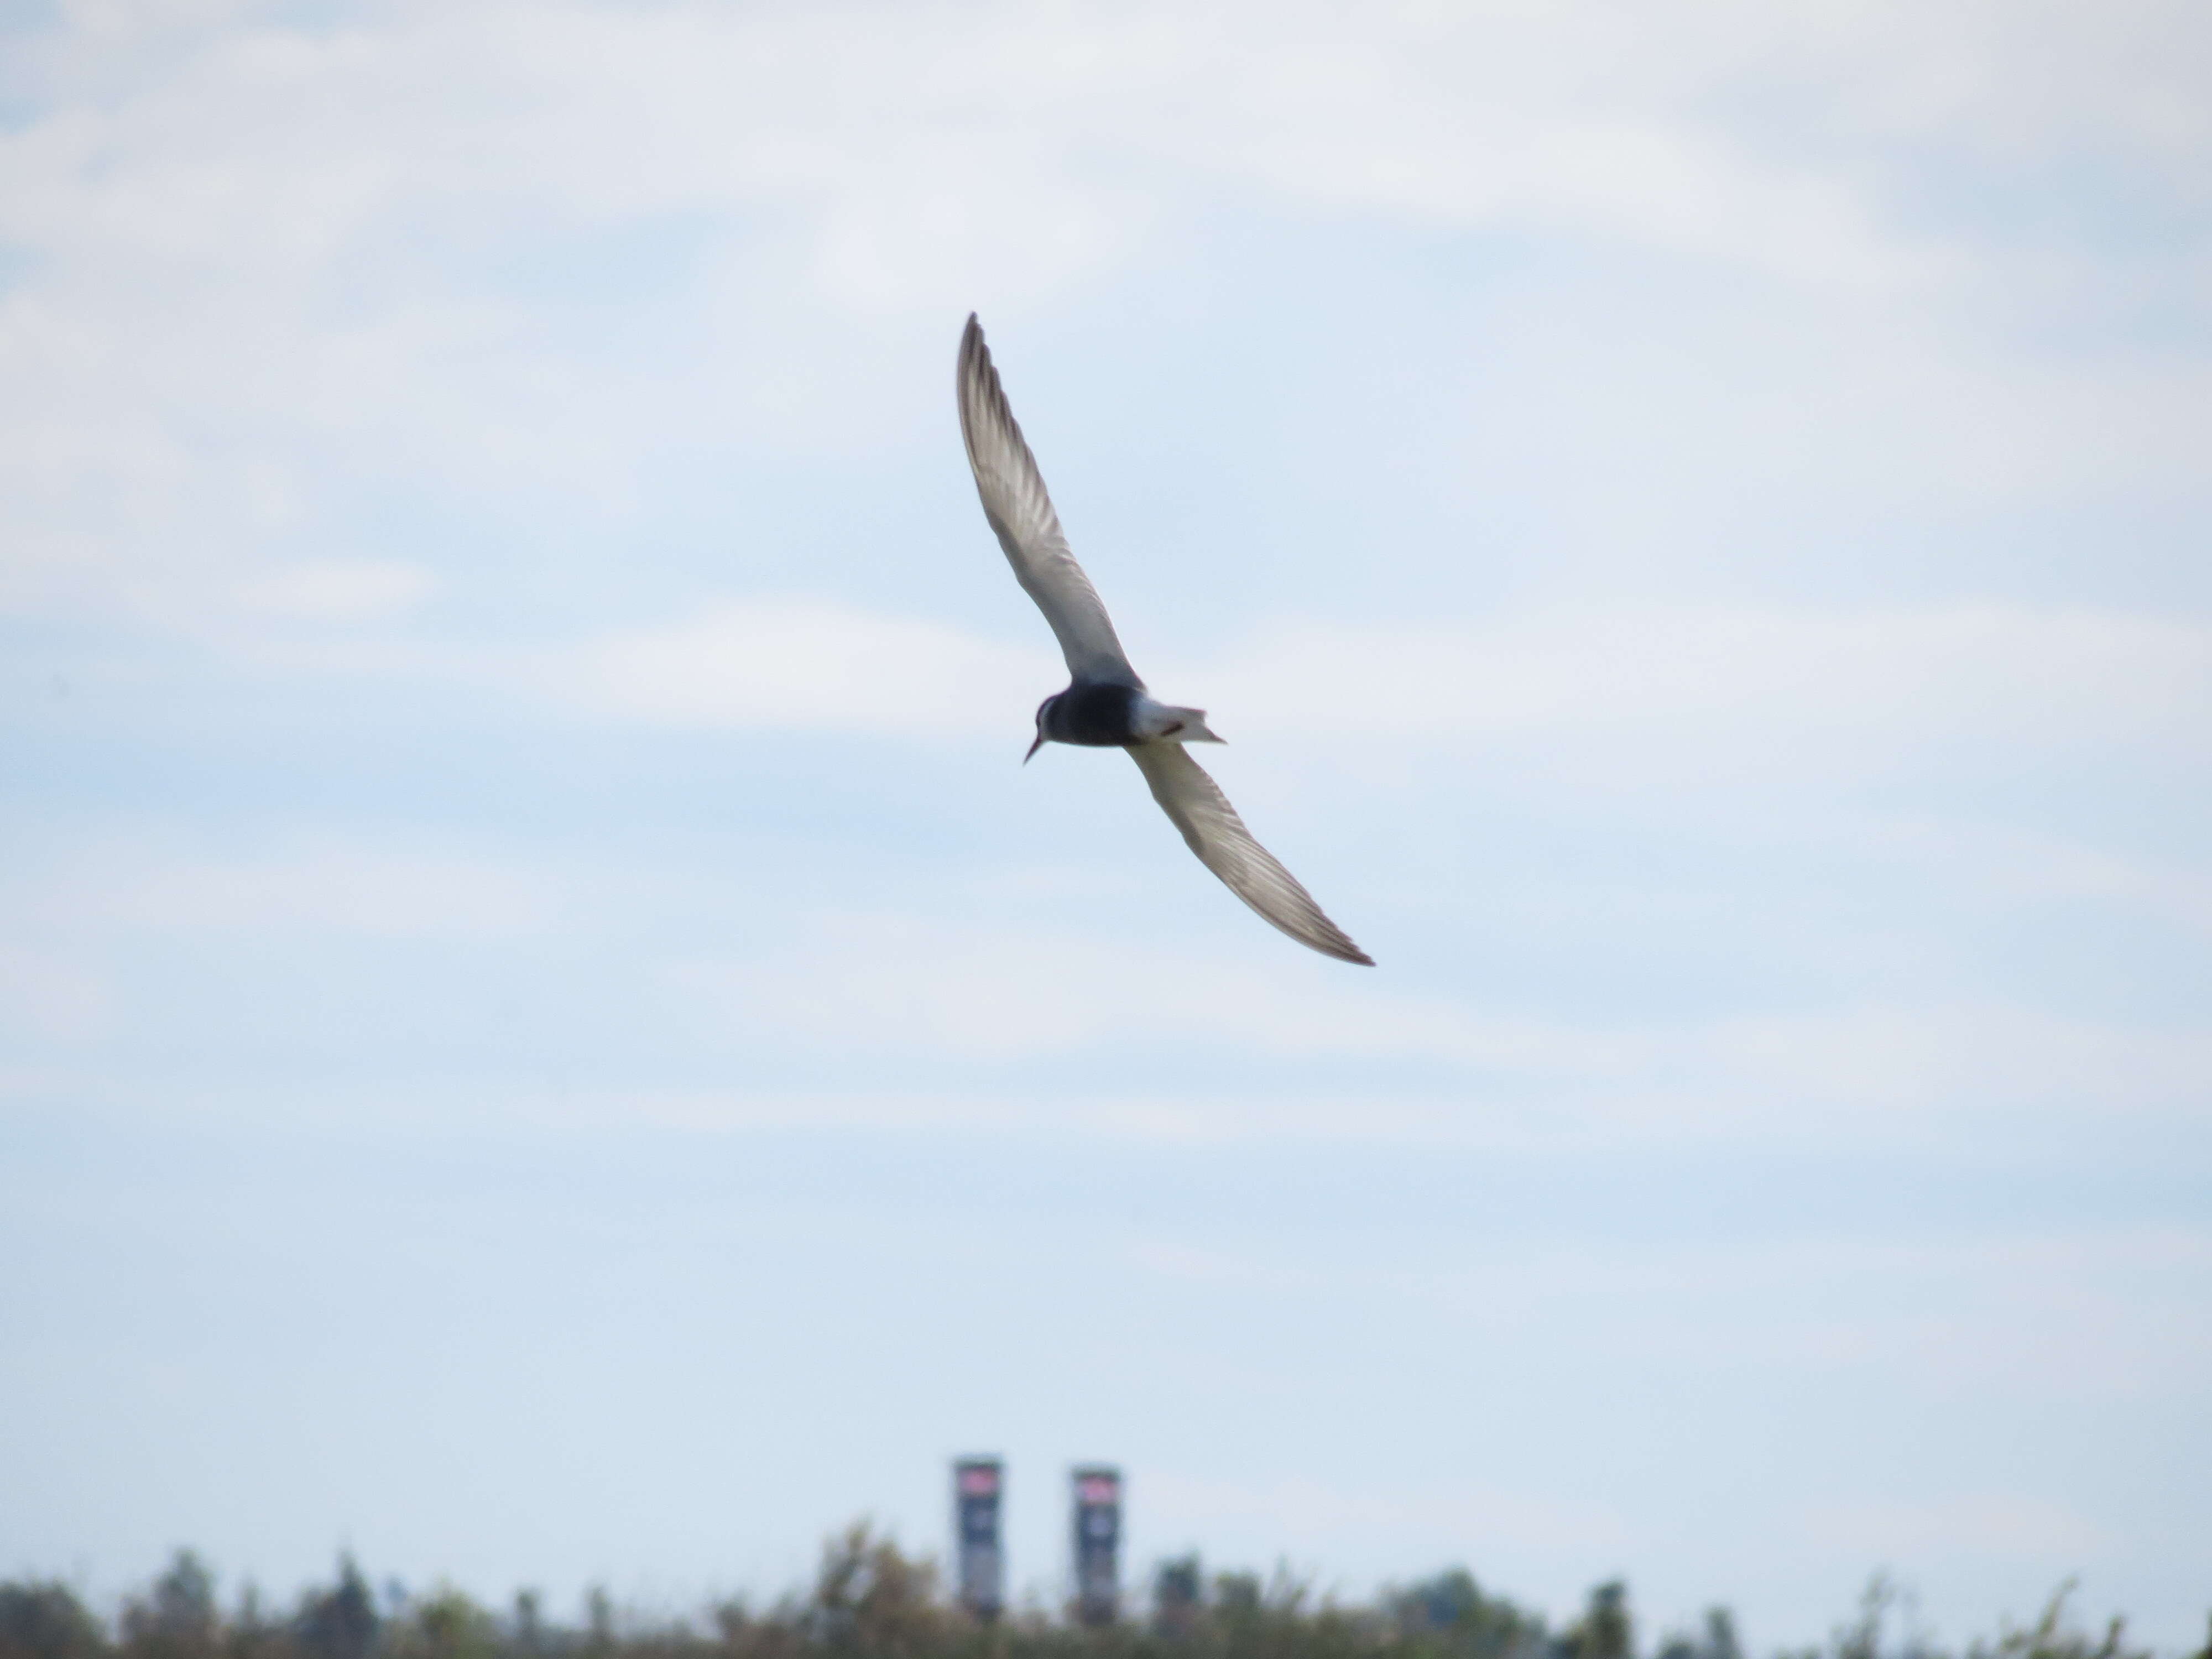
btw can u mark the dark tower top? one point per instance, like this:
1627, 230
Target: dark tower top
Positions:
978, 1483
1096, 1489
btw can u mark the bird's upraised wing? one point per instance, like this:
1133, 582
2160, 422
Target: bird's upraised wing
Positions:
1015, 502
1197, 806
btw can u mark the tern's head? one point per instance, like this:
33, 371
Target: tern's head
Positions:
1039, 743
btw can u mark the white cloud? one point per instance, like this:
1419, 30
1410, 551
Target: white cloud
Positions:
1144, 1118
1913, 1060
52, 995
1875, 1074
368, 891
1716, 674
904, 984
802, 665
2051, 1266
2013, 864
2083, 1316
263, 258
2009, 1527
1696, 693
338, 589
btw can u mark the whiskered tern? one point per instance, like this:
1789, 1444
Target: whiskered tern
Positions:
1106, 705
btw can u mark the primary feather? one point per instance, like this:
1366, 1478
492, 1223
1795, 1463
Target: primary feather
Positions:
1015, 502
1195, 804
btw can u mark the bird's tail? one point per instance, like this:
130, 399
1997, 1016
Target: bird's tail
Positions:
1171, 724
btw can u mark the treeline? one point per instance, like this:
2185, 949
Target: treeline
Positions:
871, 1601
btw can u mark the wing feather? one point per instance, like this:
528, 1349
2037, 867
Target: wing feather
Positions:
1195, 804
1015, 502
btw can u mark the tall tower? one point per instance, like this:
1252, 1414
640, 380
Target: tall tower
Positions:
1096, 1489
978, 1483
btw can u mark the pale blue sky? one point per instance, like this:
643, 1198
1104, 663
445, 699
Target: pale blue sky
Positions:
548, 1039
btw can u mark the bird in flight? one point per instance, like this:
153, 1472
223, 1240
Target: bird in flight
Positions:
1106, 705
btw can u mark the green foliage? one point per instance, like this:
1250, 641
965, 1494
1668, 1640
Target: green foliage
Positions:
1604, 1631
1178, 1597
1449, 1614
1249, 1618
870, 1600
2051, 1637
1717, 1641
446, 1625
341, 1622
1862, 1637
176, 1619
44, 1619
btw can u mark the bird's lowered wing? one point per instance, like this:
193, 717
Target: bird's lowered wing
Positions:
1225, 846
1015, 502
